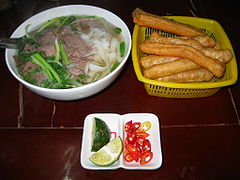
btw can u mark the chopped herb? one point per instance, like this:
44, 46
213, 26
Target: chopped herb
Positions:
47, 68
117, 30
115, 65
81, 76
63, 54
122, 48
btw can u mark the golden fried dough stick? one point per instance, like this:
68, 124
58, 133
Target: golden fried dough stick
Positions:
223, 56
217, 45
169, 68
185, 52
206, 41
196, 75
143, 18
150, 60
155, 37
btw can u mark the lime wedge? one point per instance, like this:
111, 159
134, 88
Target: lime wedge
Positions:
100, 134
109, 153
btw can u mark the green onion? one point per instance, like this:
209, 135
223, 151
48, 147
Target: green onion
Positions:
64, 54
47, 68
66, 20
106, 24
57, 57
50, 22
117, 30
115, 65
44, 68
122, 48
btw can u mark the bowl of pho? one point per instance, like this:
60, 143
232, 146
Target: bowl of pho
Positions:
69, 52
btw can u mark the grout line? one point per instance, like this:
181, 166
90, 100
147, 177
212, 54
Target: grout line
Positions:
163, 126
192, 13
53, 113
40, 128
192, 4
201, 125
234, 105
193, 8
21, 107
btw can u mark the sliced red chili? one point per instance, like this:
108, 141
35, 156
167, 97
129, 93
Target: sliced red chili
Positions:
136, 155
140, 141
146, 146
128, 126
146, 157
137, 146
131, 148
128, 157
131, 138
135, 126
142, 134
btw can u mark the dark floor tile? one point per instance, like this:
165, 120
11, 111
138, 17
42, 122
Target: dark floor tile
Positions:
39, 154
128, 95
37, 111
9, 92
120, 97
216, 109
201, 153
188, 153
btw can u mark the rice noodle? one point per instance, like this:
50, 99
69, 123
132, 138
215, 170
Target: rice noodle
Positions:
96, 68
104, 52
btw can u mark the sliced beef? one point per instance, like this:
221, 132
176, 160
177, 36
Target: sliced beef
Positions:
85, 24
78, 68
75, 71
77, 49
29, 47
75, 46
29, 67
49, 50
48, 38
64, 30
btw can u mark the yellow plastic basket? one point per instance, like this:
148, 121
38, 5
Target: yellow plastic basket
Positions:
185, 90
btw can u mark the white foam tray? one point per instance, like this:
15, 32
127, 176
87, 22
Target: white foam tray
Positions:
116, 124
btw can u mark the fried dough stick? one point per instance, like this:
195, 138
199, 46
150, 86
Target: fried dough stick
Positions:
196, 75
185, 52
207, 41
155, 37
223, 56
143, 18
150, 60
169, 68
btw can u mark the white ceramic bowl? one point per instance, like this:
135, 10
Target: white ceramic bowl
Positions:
79, 92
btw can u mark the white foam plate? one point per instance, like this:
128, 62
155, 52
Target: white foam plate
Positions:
116, 124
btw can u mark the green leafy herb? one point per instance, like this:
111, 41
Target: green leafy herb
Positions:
47, 68
122, 48
64, 54
117, 30
57, 48
64, 21
115, 65
81, 76
47, 24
